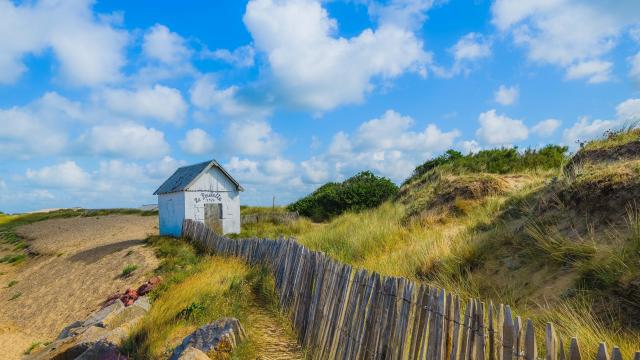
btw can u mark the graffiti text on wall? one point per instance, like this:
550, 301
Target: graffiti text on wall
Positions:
208, 197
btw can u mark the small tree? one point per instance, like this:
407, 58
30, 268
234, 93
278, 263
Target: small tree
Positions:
362, 191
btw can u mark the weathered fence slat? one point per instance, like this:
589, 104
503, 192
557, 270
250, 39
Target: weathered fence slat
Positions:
340, 313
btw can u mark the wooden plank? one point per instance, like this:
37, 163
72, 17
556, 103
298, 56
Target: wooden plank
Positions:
551, 343
491, 332
574, 350
562, 355
517, 337
455, 339
448, 323
507, 334
616, 354
636, 356
480, 342
602, 352
417, 333
530, 348
465, 351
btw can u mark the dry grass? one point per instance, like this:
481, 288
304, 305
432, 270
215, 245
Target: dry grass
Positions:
218, 288
615, 138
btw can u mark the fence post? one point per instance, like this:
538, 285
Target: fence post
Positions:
530, 349
574, 350
551, 342
507, 334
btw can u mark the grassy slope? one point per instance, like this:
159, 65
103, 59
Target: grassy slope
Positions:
559, 247
197, 290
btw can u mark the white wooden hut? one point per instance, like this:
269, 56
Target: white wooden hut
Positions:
202, 192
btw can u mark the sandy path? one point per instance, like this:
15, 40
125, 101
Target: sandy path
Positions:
79, 265
272, 341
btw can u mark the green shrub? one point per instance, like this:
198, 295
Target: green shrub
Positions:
128, 270
362, 191
496, 161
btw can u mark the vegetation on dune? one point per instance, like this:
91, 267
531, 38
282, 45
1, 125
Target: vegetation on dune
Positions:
557, 238
362, 191
197, 290
495, 161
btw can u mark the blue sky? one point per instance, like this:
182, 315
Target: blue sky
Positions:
101, 101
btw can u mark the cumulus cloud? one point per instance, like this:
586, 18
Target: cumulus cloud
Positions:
568, 33
316, 171
197, 142
207, 95
241, 57
392, 131
387, 144
159, 103
498, 129
317, 70
161, 169
546, 127
90, 50
255, 138
64, 175
472, 46
126, 140
586, 129
629, 110
506, 95
635, 66
595, 71
38, 128
402, 13
274, 171
165, 46
469, 146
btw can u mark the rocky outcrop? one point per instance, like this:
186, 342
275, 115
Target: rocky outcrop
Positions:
221, 336
98, 336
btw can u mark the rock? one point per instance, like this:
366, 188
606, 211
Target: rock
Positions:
192, 353
102, 350
101, 314
68, 331
143, 302
222, 335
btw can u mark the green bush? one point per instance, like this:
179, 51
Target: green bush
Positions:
496, 161
362, 191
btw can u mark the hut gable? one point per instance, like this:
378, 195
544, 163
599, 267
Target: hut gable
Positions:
190, 178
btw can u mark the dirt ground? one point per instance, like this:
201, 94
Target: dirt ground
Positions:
79, 264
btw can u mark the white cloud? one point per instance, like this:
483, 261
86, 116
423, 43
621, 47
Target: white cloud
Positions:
39, 128
159, 103
595, 71
386, 144
197, 142
546, 127
500, 129
126, 140
242, 57
315, 170
279, 167
568, 33
635, 66
64, 175
164, 167
317, 70
163, 45
506, 95
471, 47
254, 138
22, 134
206, 95
90, 51
391, 131
402, 13
340, 145
629, 110
586, 129
470, 146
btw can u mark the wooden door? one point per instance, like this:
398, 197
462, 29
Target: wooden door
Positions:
213, 217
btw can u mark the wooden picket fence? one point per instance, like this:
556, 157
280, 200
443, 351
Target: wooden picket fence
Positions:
276, 217
342, 313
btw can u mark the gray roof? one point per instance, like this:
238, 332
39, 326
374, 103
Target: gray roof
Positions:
186, 175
